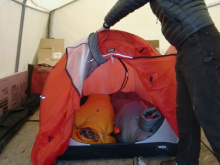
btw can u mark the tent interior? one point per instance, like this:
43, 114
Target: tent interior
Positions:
23, 23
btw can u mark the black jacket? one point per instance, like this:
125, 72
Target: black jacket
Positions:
179, 18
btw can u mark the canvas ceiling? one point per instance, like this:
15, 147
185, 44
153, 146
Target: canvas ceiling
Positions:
48, 5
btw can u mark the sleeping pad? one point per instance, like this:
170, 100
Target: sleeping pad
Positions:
135, 118
94, 120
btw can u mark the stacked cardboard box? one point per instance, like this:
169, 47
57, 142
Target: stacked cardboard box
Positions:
50, 51
155, 43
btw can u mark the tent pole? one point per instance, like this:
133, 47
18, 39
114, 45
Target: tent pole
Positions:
49, 25
20, 37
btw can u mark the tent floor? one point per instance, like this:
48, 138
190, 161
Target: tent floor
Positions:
17, 151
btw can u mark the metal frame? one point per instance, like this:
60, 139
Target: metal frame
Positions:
21, 31
20, 37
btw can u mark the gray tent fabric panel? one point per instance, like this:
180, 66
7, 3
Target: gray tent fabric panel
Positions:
95, 57
93, 45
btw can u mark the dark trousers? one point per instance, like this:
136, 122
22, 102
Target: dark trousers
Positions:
198, 94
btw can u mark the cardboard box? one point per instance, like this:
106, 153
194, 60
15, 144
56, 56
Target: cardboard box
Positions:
155, 43
13, 91
50, 51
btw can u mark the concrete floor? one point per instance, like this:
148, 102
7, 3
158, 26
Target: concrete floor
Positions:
17, 151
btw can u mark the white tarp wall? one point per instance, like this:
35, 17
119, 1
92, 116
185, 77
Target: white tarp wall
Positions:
86, 16
35, 24
9, 31
71, 22
34, 29
215, 14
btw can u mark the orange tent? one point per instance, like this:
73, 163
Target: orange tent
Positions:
101, 63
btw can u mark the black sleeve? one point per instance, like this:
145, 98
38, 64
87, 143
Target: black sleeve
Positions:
121, 9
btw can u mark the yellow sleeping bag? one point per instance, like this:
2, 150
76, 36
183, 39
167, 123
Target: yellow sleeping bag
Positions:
94, 120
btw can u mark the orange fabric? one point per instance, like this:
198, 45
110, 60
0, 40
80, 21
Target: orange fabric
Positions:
160, 92
62, 97
56, 116
98, 114
125, 43
108, 78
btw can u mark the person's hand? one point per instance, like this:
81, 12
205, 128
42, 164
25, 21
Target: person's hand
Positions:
103, 28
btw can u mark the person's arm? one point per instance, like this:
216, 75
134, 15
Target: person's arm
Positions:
121, 9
